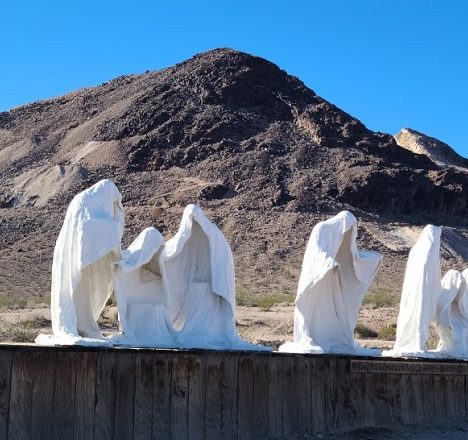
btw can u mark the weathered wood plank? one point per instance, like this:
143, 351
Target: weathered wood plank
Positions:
5, 388
245, 416
454, 397
21, 396
317, 389
124, 396
275, 398
42, 406
260, 396
64, 395
303, 366
459, 386
179, 398
329, 391
427, 389
144, 387
229, 397
297, 398
439, 387
345, 413
162, 396
379, 408
85, 395
359, 395
59, 393
105, 396
213, 397
196, 396
417, 398
406, 399
394, 399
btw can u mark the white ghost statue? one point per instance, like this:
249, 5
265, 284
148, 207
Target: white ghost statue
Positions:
420, 293
451, 317
334, 279
140, 294
88, 244
197, 270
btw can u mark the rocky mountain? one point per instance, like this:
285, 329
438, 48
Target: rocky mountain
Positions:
263, 155
437, 151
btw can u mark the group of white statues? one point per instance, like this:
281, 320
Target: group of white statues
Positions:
181, 293
174, 294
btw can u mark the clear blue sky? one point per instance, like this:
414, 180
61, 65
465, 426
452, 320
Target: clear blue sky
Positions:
392, 64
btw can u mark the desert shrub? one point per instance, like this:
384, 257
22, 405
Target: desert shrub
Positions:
266, 302
382, 298
245, 298
387, 333
19, 302
363, 331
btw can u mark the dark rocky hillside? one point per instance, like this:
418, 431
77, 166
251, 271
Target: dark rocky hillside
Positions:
263, 154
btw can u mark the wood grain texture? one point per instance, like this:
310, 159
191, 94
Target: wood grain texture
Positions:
5, 389
144, 390
245, 414
124, 403
162, 396
105, 396
85, 395
64, 395
42, 406
346, 405
76, 393
394, 399
230, 390
213, 397
275, 398
260, 397
317, 390
19, 426
179, 398
197, 396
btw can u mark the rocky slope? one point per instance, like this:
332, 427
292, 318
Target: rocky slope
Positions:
264, 156
437, 151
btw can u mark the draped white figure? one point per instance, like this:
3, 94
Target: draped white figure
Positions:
334, 279
451, 317
197, 268
420, 293
88, 244
140, 293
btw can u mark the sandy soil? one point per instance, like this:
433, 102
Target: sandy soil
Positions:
263, 326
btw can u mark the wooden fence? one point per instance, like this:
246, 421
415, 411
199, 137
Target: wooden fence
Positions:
86, 393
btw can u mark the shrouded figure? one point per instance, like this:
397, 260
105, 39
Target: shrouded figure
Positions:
419, 296
140, 294
88, 244
198, 272
335, 277
451, 317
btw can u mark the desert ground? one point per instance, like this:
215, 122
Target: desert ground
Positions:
270, 324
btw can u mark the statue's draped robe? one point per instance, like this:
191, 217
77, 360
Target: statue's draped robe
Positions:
451, 317
88, 243
335, 277
420, 293
140, 294
197, 268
